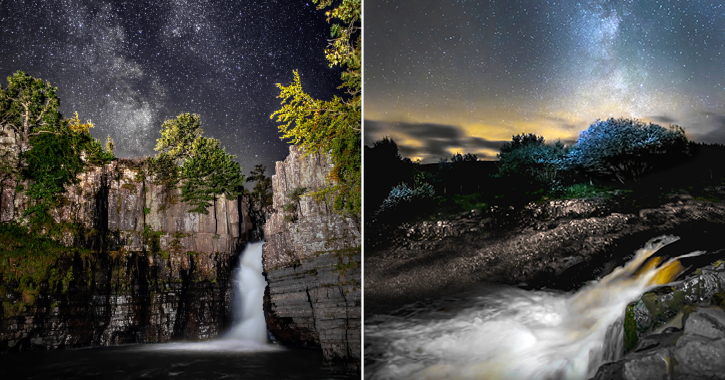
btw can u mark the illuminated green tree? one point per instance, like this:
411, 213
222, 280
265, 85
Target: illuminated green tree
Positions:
199, 163
178, 135
331, 126
209, 171
28, 107
49, 151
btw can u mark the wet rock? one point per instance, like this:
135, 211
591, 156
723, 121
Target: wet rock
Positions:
129, 298
707, 322
704, 285
312, 261
642, 316
697, 351
648, 366
657, 308
698, 355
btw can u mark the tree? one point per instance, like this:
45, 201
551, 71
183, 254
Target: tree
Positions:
262, 191
468, 157
49, 151
529, 165
28, 107
178, 135
331, 127
389, 169
199, 163
109, 144
626, 148
519, 141
209, 171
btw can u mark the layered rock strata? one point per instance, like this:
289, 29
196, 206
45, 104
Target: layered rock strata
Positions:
159, 272
312, 262
120, 298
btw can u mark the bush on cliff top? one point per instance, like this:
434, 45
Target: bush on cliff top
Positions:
49, 151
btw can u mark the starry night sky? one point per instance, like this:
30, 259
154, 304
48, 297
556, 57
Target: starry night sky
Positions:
130, 65
463, 76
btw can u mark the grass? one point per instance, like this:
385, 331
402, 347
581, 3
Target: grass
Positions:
585, 190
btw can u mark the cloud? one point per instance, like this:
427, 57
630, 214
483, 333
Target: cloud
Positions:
431, 131
663, 119
428, 141
717, 134
481, 143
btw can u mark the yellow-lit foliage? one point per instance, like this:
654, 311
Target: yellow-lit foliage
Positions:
77, 126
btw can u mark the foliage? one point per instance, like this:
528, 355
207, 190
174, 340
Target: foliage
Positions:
630, 330
388, 169
27, 107
290, 208
332, 127
584, 190
109, 144
209, 171
54, 162
30, 262
178, 136
78, 127
202, 166
625, 148
420, 176
164, 170
152, 238
520, 141
402, 195
531, 162
262, 191
51, 151
468, 157
464, 202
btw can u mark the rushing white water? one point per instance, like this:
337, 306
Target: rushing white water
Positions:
515, 334
248, 296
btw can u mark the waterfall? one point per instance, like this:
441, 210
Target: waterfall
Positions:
248, 295
511, 333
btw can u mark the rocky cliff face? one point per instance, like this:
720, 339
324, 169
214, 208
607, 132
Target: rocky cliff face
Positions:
312, 261
159, 272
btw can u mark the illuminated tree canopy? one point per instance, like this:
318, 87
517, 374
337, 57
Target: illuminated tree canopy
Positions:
331, 126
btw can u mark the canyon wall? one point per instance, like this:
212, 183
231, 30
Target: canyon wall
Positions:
158, 272
312, 263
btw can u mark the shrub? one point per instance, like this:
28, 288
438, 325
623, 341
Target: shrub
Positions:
625, 149
529, 166
402, 195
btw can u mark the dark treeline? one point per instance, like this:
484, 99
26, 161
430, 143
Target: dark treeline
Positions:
616, 157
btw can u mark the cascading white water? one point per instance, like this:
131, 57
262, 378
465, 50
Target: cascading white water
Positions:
248, 296
516, 334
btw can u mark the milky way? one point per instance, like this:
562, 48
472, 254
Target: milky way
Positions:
444, 77
130, 65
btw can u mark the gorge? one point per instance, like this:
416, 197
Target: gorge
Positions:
138, 268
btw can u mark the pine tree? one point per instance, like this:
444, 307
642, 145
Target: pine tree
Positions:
209, 172
262, 191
